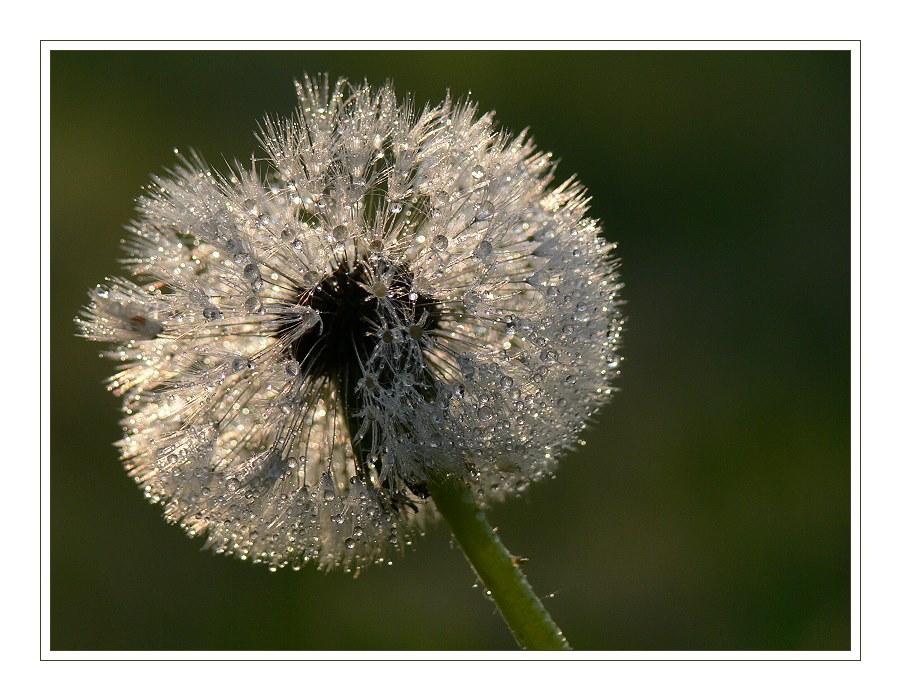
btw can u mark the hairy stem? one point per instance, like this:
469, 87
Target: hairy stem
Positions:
497, 569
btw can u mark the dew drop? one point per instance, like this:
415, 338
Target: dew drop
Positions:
485, 211
253, 305
549, 355
239, 364
484, 249
328, 488
292, 368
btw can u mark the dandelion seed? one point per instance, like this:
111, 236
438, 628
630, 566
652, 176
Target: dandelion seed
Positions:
307, 342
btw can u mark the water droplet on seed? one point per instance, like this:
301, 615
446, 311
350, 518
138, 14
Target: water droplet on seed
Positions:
484, 249
253, 305
485, 211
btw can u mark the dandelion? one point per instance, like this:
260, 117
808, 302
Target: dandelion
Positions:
389, 301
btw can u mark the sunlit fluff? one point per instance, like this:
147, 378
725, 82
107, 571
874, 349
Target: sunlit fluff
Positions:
388, 298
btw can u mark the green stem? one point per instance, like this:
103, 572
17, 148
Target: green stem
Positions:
498, 570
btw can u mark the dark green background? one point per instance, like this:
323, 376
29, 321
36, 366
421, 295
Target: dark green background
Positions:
711, 506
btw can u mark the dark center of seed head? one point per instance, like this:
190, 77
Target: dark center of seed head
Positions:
350, 324
350, 331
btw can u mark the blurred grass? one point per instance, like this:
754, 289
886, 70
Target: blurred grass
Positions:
710, 508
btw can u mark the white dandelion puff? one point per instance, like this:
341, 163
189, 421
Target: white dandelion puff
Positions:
388, 298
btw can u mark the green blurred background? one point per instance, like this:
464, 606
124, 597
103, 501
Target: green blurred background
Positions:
711, 506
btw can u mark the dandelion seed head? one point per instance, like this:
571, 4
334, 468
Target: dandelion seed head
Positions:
390, 297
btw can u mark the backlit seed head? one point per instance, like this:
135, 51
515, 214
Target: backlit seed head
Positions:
390, 297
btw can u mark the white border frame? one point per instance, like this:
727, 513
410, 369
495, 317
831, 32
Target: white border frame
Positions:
854, 47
